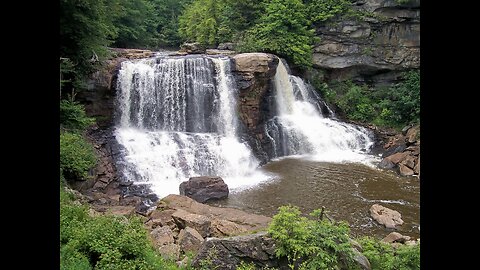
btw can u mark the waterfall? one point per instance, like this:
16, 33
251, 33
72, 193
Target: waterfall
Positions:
177, 119
300, 128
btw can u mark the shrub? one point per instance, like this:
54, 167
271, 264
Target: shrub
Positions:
383, 256
73, 116
77, 156
104, 242
310, 243
394, 106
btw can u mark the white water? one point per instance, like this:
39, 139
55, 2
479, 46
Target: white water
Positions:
300, 128
178, 120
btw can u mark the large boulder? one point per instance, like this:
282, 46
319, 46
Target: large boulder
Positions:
204, 188
385, 216
212, 221
228, 253
254, 62
395, 237
192, 48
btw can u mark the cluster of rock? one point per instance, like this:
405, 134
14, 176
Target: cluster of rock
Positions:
179, 224
403, 152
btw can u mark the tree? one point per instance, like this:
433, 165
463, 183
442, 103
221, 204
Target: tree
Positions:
85, 31
283, 30
200, 22
135, 23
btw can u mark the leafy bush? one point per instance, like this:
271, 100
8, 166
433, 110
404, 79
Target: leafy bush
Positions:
104, 242
394, 106
383, 256
73, 116
283, 30
310, 243
77, 156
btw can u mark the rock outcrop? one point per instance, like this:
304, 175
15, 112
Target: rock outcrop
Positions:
179, 224
402, 152
192, 48
212, 221
98, 97
254, 73
385, 216
228, 253
373, 48
204, 188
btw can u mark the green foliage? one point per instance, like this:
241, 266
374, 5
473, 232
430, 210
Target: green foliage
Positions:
104, 242
394, 106
200, 22
73, 116
167, 13
85, 29
319, 11
77, 156
282, 30
135, 23
383, 256
310, 243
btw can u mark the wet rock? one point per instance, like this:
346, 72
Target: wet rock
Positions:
395, 237
386, 164
189, 240
397, 157
204, 188
228, 253
192, 48
405, 171
385, 216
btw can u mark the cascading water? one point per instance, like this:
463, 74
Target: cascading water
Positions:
299, 127
177, 119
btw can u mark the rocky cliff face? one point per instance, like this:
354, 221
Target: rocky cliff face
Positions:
375, 48
254, 73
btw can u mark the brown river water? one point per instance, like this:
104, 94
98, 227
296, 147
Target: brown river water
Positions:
347, 191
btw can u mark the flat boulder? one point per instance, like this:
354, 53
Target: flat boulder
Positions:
210, 220
395, 237
229, 252
385, 216
192, 48
255, 63
204, 188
